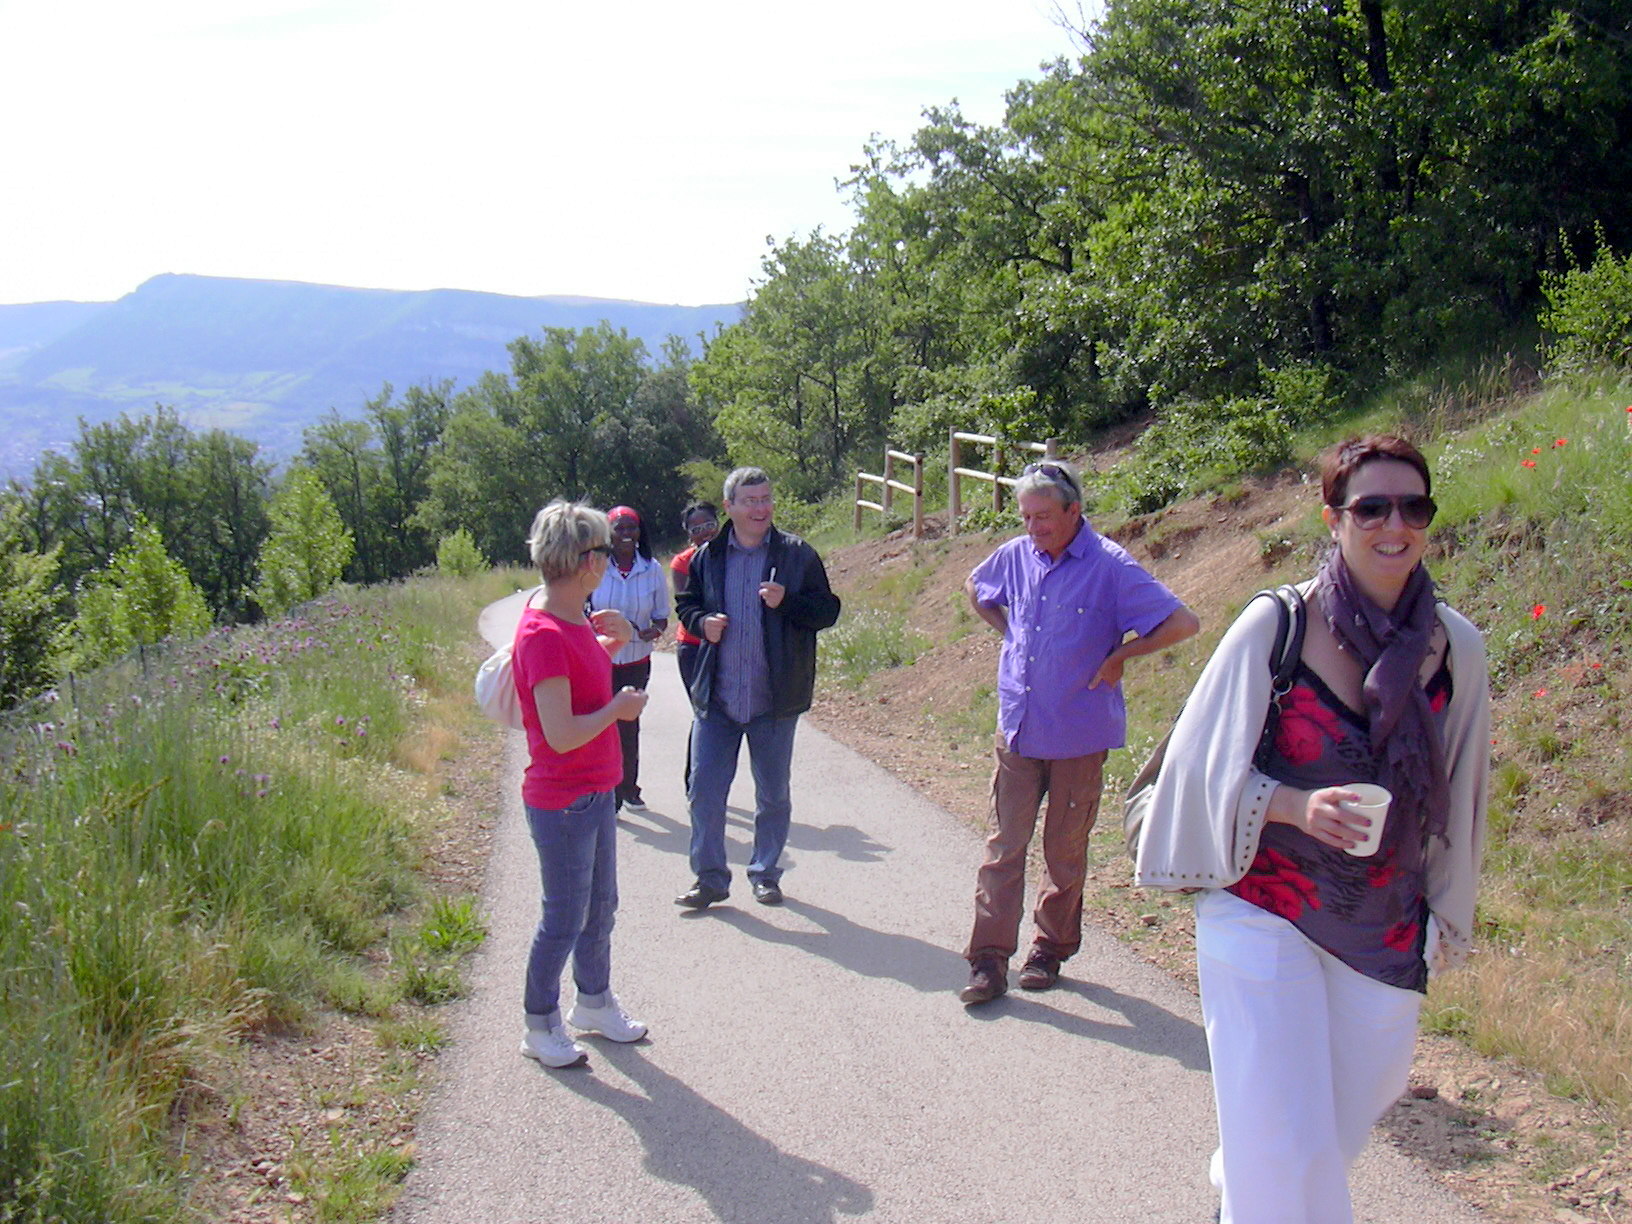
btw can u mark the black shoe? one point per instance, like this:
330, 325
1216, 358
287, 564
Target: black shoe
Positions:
988, 978
701, 896
767, 893
1040, 971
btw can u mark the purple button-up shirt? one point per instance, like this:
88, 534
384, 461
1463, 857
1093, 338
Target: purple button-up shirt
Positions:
1065, 617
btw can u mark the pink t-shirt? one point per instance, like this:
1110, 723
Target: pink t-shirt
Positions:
548, 646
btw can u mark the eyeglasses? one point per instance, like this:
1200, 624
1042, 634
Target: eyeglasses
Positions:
604, 549
1417, 510
1054, 472
699, 528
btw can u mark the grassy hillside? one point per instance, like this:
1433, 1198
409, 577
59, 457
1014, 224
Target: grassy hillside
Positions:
1534, 544
222, 841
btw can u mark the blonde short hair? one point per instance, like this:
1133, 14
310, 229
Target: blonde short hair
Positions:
562, 532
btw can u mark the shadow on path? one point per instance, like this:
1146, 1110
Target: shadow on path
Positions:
1149, 1029
860, 949
672, 835
690, 1141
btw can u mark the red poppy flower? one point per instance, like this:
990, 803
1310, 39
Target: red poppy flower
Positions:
1304, 722
1537, 610
1402, 936
1530, 463
1562, 442
1535, 450
1541, 692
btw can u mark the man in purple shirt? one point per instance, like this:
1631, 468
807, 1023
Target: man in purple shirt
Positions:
1065, 600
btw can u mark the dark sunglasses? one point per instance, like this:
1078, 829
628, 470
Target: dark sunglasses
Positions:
1417, 510
604, 549
1054, 472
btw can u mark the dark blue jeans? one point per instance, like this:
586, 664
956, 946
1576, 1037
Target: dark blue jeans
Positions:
578, 864
716, 742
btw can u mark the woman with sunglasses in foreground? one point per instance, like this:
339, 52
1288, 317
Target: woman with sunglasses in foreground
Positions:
1312, 960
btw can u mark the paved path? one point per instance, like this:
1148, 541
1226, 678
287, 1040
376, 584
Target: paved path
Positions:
811, 1062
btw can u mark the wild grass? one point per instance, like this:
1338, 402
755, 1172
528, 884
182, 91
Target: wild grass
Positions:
865, 641
206, 849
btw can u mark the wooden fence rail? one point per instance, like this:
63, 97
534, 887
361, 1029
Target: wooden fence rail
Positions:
892, 486
956, 472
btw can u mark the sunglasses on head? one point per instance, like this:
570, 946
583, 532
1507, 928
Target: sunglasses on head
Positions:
1054, 472
1417, 510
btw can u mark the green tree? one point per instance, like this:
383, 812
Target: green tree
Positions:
30, 620
143, 597
458, 555
307, 549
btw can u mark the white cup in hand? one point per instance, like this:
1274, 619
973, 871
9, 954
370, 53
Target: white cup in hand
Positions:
1373, 804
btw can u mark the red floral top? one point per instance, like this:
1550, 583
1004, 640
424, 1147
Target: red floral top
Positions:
1370, 913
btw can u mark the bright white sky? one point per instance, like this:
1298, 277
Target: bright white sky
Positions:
641, 149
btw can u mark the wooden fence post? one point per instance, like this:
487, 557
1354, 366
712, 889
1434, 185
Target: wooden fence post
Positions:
918, 496
954, 503
857, 524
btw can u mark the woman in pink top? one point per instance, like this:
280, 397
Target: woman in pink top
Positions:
563, 672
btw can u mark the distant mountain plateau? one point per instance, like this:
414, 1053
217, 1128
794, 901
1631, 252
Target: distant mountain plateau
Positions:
266, 359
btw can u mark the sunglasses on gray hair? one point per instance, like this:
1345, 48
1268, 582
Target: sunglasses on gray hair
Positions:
1056, 473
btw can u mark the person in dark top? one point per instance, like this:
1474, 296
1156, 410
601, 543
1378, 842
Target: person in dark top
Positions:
757, 597
1313, 960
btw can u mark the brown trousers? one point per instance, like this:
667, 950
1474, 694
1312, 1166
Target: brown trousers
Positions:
1019, 786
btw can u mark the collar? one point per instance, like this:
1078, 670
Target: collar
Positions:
1080, 546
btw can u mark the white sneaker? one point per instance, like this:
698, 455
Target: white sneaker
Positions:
610, 1021
553, 1048
634, 805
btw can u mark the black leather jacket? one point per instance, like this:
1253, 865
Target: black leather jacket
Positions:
790, 628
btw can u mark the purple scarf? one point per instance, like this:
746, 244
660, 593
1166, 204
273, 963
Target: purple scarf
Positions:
1392, 646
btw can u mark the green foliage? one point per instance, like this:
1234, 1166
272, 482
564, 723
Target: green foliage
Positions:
308, 548
176, 869
458, 556
29, 618
1589, 313
1193, 443
142, 598
866, 641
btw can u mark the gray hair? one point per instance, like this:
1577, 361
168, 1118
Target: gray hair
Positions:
1054, 476
744, 476
562, 532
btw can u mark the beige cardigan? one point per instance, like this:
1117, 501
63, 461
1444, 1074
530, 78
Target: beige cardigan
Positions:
1208, 807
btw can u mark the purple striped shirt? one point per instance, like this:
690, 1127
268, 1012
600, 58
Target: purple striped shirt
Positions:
742, 679
1065, 617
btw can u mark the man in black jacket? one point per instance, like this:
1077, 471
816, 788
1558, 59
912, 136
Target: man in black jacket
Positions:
757, 597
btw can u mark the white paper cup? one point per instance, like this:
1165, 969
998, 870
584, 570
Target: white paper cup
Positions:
1372, 804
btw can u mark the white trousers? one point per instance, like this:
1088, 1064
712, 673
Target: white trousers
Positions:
1307, 1054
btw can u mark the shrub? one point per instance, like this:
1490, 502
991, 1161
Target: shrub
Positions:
1589, 313
458, 556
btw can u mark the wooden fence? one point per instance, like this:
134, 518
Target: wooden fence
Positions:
893, 486
956, 472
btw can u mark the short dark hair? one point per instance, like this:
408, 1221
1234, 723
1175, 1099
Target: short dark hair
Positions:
1339, 464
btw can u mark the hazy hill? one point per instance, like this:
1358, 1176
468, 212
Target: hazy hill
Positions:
267, 358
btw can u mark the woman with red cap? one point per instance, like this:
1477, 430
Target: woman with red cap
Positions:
634, 585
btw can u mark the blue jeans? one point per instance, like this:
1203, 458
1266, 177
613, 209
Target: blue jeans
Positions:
716, 742
578, 864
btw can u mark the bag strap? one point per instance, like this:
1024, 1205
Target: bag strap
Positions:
1293, 620
1289, 634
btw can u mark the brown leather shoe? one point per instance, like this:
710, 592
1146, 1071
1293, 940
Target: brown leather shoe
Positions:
987, 979
1040, 971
